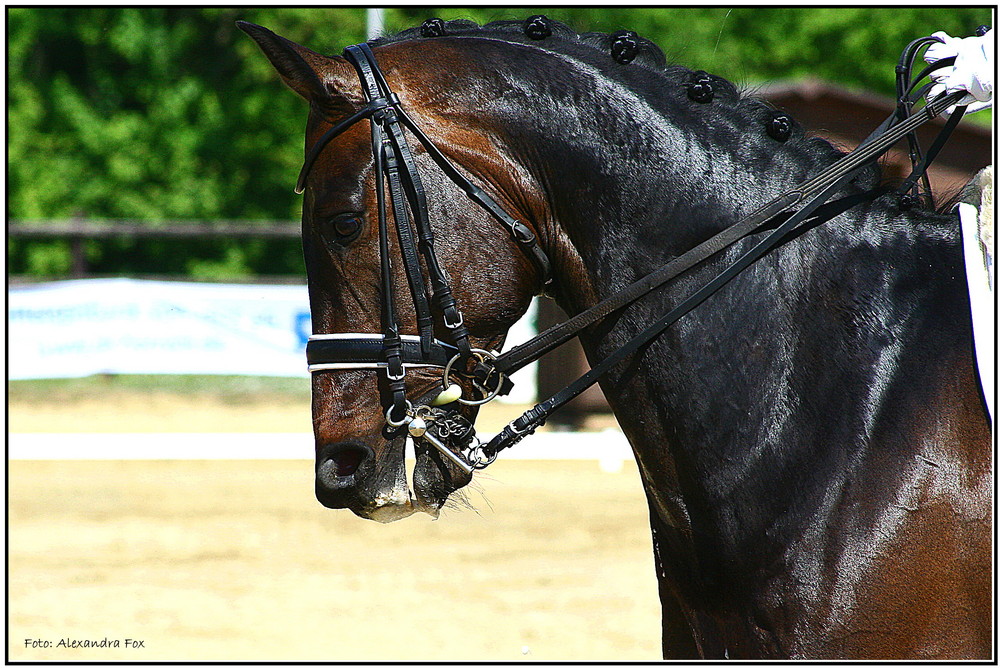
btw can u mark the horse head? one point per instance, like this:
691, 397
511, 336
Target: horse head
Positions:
359, 445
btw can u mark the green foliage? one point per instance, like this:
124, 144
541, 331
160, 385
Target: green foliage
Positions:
154, 113
164, 113
158, 113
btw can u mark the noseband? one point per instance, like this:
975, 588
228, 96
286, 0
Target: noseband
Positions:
446, 430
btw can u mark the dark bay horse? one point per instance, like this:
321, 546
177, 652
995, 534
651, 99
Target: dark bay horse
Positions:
812, 441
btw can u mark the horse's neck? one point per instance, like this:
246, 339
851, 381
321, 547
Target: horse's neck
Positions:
746, 406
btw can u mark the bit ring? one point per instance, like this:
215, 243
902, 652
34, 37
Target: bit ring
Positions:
406, 417
481, 355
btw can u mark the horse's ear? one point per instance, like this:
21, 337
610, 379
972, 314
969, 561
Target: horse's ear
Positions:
301, 69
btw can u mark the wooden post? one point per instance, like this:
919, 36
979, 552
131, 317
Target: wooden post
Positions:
78, 247
561, 367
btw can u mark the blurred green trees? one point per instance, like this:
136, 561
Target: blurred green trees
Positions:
854, 46
154, 113
160, 113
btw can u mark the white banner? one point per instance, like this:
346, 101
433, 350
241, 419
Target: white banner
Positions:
71, 329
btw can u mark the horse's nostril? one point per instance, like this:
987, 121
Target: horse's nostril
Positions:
336, 465
342, 460
346, 462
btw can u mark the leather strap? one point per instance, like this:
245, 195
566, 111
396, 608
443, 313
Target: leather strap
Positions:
520, 232
906, 98
442, 294
364, 351
407, 246
392, 344
406, 179
920, 168
329, 135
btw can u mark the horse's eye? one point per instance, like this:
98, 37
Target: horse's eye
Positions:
345, 228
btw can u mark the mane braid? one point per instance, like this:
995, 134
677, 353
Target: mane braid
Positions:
730, 104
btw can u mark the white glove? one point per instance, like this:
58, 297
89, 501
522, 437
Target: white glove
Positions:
972, 71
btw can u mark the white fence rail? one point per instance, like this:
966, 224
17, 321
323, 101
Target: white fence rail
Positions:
609, 448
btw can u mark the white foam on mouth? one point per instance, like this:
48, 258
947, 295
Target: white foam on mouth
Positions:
409, 464
391, 512
390, 506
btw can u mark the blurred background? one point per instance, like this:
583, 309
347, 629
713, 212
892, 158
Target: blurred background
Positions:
156, 321
170, 115
157, 143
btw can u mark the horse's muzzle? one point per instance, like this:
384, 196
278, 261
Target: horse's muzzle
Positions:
346, 477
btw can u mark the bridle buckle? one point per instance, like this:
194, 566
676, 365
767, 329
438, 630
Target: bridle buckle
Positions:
453, 313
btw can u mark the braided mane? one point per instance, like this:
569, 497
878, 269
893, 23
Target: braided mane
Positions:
621, 53
542, 32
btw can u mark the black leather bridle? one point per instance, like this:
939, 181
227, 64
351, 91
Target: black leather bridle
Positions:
395, 167
445, 429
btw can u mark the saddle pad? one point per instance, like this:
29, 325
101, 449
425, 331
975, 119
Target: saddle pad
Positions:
977, 216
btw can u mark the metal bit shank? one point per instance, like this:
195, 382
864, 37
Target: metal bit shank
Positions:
444, 450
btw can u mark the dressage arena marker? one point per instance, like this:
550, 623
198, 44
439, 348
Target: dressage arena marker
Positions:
609, 448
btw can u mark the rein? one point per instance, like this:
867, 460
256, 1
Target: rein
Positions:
447, 430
